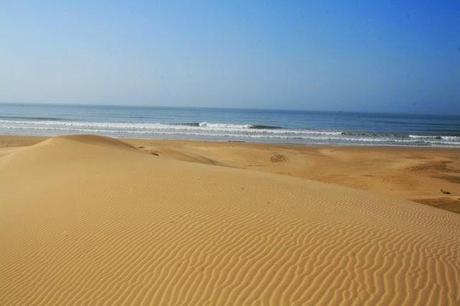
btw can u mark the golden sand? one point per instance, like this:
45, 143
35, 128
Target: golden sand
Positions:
89, 220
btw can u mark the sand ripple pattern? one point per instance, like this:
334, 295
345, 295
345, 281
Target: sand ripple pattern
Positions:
130, 228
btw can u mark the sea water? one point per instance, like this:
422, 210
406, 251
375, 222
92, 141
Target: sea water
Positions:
219, 124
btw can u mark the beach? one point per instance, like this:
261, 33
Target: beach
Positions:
91, 219
424, 175
230, 153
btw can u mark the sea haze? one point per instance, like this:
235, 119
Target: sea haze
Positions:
267, 126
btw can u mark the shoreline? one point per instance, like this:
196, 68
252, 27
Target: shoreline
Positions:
35, 138
424, 175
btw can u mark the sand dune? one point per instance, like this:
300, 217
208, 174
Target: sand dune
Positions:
87, 219
424, 175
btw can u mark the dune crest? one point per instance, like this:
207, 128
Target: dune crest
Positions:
81, 142
90, 139
86, 219
61, 149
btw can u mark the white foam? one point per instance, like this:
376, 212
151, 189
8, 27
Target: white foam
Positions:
218, 131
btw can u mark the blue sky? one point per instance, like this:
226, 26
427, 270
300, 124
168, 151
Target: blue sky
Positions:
390, 56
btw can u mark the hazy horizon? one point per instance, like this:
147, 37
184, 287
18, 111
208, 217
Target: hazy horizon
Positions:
365, 57
268, 109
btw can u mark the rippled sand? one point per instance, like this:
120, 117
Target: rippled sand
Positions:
87, 219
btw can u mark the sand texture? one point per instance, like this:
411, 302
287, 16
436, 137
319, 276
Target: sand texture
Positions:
424, 175
94, 220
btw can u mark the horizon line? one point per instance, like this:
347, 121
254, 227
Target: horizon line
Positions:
227, 108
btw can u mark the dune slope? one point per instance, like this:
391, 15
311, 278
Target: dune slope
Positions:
87, 219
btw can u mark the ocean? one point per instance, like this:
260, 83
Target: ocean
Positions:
219, 124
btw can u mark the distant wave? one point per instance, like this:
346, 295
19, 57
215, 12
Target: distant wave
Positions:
262, 127
230, 125
372, 134
137, 127
220, 131
434, 137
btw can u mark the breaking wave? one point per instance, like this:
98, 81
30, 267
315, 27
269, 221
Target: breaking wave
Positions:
219, 131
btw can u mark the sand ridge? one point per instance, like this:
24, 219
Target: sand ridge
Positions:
89, 220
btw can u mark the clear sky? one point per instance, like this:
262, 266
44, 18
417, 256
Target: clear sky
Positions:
391, 56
